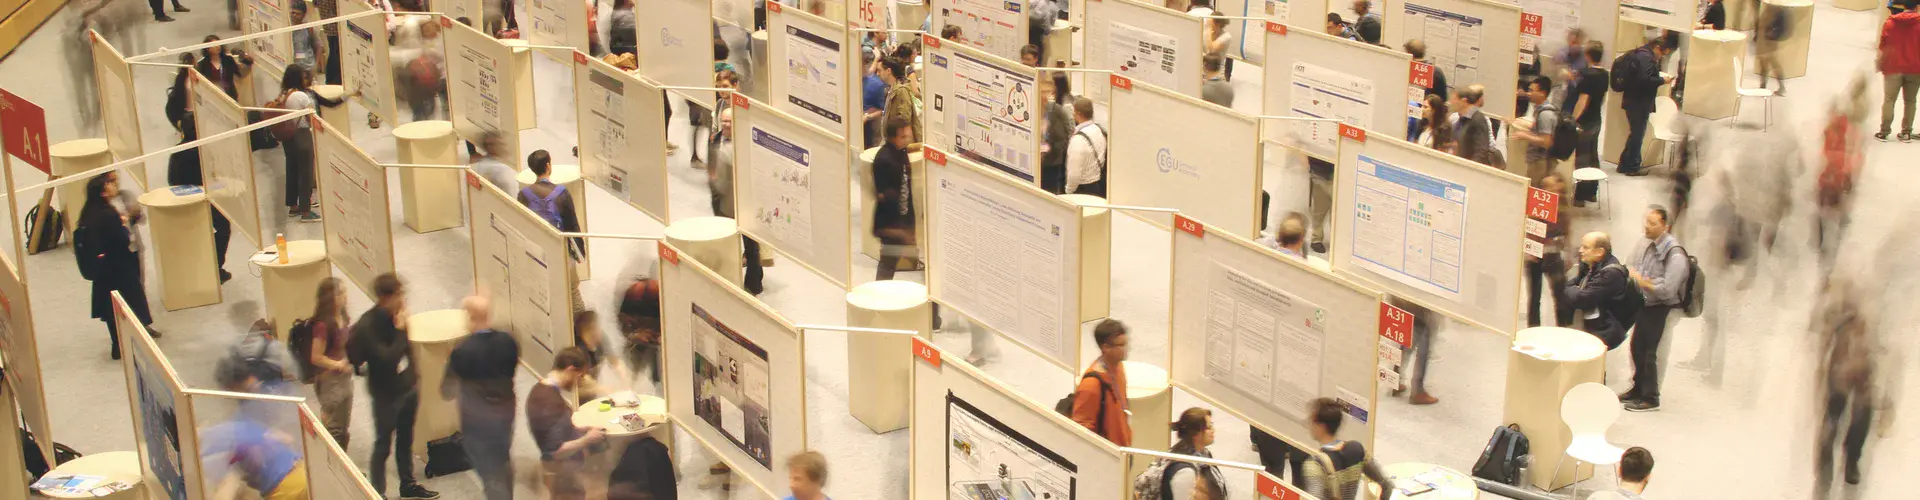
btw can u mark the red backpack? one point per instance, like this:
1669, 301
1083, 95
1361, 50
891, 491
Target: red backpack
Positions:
1840, 160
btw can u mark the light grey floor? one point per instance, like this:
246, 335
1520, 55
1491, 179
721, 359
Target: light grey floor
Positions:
1749, 435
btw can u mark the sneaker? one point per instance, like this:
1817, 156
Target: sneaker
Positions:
310, 217
225, 276
178, 8
1882, 136
1642, 405
162, 19
417, 492
1423, 399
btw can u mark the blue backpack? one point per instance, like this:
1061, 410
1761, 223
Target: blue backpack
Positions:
548, 208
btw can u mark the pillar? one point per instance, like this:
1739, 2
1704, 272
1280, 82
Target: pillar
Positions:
878, 386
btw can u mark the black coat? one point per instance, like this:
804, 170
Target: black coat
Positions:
117, 267
1636, 76
645, 468
1603, 288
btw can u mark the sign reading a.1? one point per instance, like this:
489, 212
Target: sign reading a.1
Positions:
23, 125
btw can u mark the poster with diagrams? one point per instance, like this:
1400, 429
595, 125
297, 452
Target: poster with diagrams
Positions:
988, 460
997, 27
993, 111
787, 174
353, 195
118, 109
1453, 41
675, 46
522, 262
557, 23
162, 413
1409, 226
814, 83
276, 51
330, 473
227, 164
1143, 55
730, 386
364, 60
1262, 341
1321, 92
1315, 75
1008, 256
480, 97
1144, 42
620, 150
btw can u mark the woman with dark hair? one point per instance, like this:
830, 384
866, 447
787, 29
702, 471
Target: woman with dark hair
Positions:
222, 67
332, 375
1434, 130
296, 93
106, 232
1058, 125
1193, 433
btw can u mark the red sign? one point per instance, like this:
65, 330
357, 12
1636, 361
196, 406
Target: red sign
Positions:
926, 352
1421, 74
935, 156
1276, 28
773, 7
1122, 83
1191, 226
23, 126
317, 123
1352, 132
1271, 489
1530, 24
930, 41
446, 22
667, 253
1543, 205
579, 58
740, 100
1396, 324
473, 181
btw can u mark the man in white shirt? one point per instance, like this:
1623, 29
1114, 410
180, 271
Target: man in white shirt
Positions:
1086, 152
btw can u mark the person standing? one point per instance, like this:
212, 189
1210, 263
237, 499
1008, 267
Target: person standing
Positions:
1549, 266
1193, 432
330, 9
160, 10
1057, 123
720, 184
1715, 17
1213, 85
380, 343
1086, 152
1218, 39
1601, 289
296, 93
1636, 76
309, 51
894, 218
1538, 132
1100, 398
563, 445
1473, 135
900, 106
183, 167
1661, 275
480, 376
807, 476
1337, 470
1584, 105
332, 376
108, 249
222, 67
1774, 26
1366, 24
1899, 64
873, 98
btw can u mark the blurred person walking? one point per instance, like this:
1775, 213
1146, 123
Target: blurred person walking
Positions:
1550, 267
563, 445
1899, 65
1424, 328
1847, 373
333, 376
807, 476
1342, 467
1841, 156
1774, 26
479, 376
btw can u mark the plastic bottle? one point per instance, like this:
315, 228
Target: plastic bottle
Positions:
280, 244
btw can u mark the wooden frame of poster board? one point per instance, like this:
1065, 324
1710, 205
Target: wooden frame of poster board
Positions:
673, 263
20, 342
136, 342
1209, 143
110, 67
659, 68
313, 431
576, 13
246, 218
832, 241
938, 23
940, 85
208, 403
456, 36
559, 319
338, 248
651, 148
281, 44
385, 106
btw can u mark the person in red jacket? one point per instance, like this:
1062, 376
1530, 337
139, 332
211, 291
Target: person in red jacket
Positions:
1899, 63
1100, 398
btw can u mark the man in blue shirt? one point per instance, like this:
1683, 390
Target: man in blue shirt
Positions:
873, 98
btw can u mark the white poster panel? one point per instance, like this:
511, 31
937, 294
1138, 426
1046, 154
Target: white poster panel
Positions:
1600, 19
557, 23
676, 46
1313, 75
455, 9
624, 146
1006, 254
1430, 227
118, 109
997, 27
1262, 334
1472, 41
791, 183
162, 413
735, 371
227, 164
973, 437
20, 354
480, 93
817, 83
1248, 43
1146, 43
1670, 14
1208, 167
364, 59
260, 16
738, 13
353, 195
984, 108
330, 473
522, 262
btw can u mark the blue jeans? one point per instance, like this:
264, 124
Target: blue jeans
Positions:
1636, 135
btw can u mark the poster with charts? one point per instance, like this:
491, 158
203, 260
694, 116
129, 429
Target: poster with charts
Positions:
1556, 17
1320, 92
480, 98
623, 145
816, 82
364, 61
994, 115
989, 460
783, 203
1453, 41
1143, 55
730, 389
998, 27
263, 16
1262, 341
353, 195
1409, 226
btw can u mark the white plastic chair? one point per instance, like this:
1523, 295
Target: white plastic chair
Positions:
1588, 410
1766, 95
1591, 174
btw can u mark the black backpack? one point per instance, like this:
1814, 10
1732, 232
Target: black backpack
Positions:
1065, 405
85, 256
1622, 67
1627, 307
1566, 134
1693, 300
1778, 28
50, 233
300, 343
1503, 457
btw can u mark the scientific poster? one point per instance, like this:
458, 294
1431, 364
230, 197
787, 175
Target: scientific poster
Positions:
364, 62
165, 447
623, 146
815, 79
1143, 55
731, 387
1320, 92
118, 109
227, 164
527, 269
1262, 341
1013, 256
987, 460
557, 22
263, 16
606, 98
782, 171
1409, 226
998, 27
480, 98
1453, 41
994, 115
353, 195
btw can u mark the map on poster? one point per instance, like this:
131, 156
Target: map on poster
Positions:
1453, 41
263, 16
995, 26
815, 79
1144, 56
781, 171
364, 62
987, 460
1319, 92
526, 267
1409, 226
730, 389
607, 98
1263, 341
1014, 257
994, 116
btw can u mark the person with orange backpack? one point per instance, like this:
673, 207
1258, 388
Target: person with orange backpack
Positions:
1840, 157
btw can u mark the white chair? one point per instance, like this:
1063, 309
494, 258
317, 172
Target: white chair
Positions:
1667, 122
1588, 410
1766, 95
1592, 174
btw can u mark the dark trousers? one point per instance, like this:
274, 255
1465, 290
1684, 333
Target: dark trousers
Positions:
1858, 424
1053, 178
1554, 272
1645, 348
299, 153
489, 445
1277, 456
393, 416
222, 234
1636, 135
160, 7
1586, 151
755, 273
1099, 188
333, 59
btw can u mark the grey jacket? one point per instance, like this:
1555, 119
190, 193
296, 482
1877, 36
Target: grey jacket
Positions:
1664, 261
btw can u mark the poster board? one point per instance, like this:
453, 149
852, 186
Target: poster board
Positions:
523, 265
227, 164
823, 78
1675, 15
791, 186
621, 117
260, 16
480, 87
997, 27
20, 356
330, 473
1209, 168
1234, 300
1144, 42
1469, 215
162, 413
455, 9
119, 111
1314, 75
713, 327
966, 426
1005, 254
365, 63
353, 194
557, 23
1472, 41
737, 13
675, 46
1248, 43
1600, 19
984, 108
